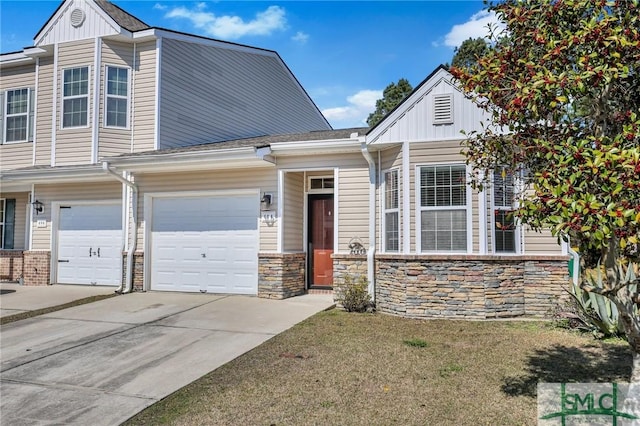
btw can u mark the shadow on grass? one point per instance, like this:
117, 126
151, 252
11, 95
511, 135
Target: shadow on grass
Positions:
558, 364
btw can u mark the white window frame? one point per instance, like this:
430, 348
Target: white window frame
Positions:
64, 98
3, 205
467, 208
107, 96
390, 210
496, 207
7, 115
322, 190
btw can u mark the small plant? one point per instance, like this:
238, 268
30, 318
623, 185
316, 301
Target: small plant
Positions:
450, 368
416, 343
354, 294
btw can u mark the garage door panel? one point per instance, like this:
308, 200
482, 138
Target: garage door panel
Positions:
222, 228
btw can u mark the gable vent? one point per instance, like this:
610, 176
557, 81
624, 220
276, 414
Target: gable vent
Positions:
443, 109
77, 17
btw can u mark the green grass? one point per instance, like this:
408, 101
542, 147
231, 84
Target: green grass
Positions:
358, 369
30, 314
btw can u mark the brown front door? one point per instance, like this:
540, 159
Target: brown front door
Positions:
320, 240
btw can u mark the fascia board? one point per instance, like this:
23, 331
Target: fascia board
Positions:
55, 175
326, 146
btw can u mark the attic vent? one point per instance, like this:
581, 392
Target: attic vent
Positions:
77, 17
443, 109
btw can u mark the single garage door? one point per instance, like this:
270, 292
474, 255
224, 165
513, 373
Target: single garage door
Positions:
205, 244
90, 244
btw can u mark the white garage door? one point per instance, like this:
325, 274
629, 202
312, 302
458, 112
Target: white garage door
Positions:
205, 244
90, 244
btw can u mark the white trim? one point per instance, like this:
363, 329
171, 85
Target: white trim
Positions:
27, 226
156, 118
280, 212
126, 196
467, 209
385, 210
54, 114
482, 219
55, 225
107, 96
305, 222
161, 33
35, 112
148, 219
320, 190
3, 209
97, 58
132, 110
406, 198
336, 209
88, 96
32, 197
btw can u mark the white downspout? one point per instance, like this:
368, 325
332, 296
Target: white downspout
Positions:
133, 234
371, 251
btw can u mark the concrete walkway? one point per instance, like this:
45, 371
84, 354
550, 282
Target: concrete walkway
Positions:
103, 362
15, 298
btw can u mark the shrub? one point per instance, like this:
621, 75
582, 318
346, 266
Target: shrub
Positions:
354, 294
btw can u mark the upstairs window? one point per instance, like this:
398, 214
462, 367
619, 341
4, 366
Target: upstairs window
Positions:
75, 97
504, 224
17, 116
117, 97
391, 211
443, 208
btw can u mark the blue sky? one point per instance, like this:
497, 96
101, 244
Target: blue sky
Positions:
344, 53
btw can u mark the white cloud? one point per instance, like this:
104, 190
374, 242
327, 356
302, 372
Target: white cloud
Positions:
355, 113
476, 26
159, 6
232, 27
300, 37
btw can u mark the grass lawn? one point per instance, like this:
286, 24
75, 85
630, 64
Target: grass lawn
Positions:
364, 369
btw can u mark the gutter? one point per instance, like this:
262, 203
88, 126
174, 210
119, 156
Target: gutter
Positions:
371, 251
128, 284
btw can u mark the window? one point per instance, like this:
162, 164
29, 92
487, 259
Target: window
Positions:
504, 225
7, 222
391, 211
117, 97
321, 184
443, 208
16, 115
75, 97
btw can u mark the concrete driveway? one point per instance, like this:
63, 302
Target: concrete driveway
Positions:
103, 362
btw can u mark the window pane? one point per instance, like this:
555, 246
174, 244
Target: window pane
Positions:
443, 186
503, 188
116, 112
505, 231
75, 112
17, 101
391, 189
392, 240
16, 128
117, 81
444, 230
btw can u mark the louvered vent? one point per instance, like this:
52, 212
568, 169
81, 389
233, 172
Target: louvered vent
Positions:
77, 17
443, 109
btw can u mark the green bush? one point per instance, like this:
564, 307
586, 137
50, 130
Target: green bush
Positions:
353, 295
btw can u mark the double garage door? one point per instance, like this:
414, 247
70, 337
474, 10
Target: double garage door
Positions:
204, 244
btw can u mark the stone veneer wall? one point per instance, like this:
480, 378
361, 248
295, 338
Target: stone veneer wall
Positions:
11, 265
281, 275
469, 286
138, 270
37, 267
347, 264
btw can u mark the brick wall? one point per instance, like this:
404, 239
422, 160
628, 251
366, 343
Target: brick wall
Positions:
11, 265
281, 275
475, 287
37, 267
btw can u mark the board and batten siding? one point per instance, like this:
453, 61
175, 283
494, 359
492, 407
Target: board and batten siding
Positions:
293, 212
73, 146
81, 191
113, 141
211, 93
262, 179
44, 111
15, 155
144, 97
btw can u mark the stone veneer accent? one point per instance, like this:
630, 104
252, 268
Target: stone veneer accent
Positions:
138, 270
346, 264
281, 275
37, 267
11, 265
469, 286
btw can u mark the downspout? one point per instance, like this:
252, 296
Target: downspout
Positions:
371, 251
134, 222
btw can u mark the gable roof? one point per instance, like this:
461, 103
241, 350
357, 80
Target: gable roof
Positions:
122, 18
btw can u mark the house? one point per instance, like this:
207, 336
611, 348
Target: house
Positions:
154, 160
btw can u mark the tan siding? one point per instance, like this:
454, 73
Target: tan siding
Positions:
353, 206
113, 141
263, 179
17, 154
22, 200
293, 212
73, 146
68, 192
447, 152
44, 112
541, 243
144, 97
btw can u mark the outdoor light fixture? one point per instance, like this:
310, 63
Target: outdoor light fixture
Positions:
38, 207
265, 201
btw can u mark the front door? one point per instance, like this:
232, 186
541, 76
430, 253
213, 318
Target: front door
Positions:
320, 246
